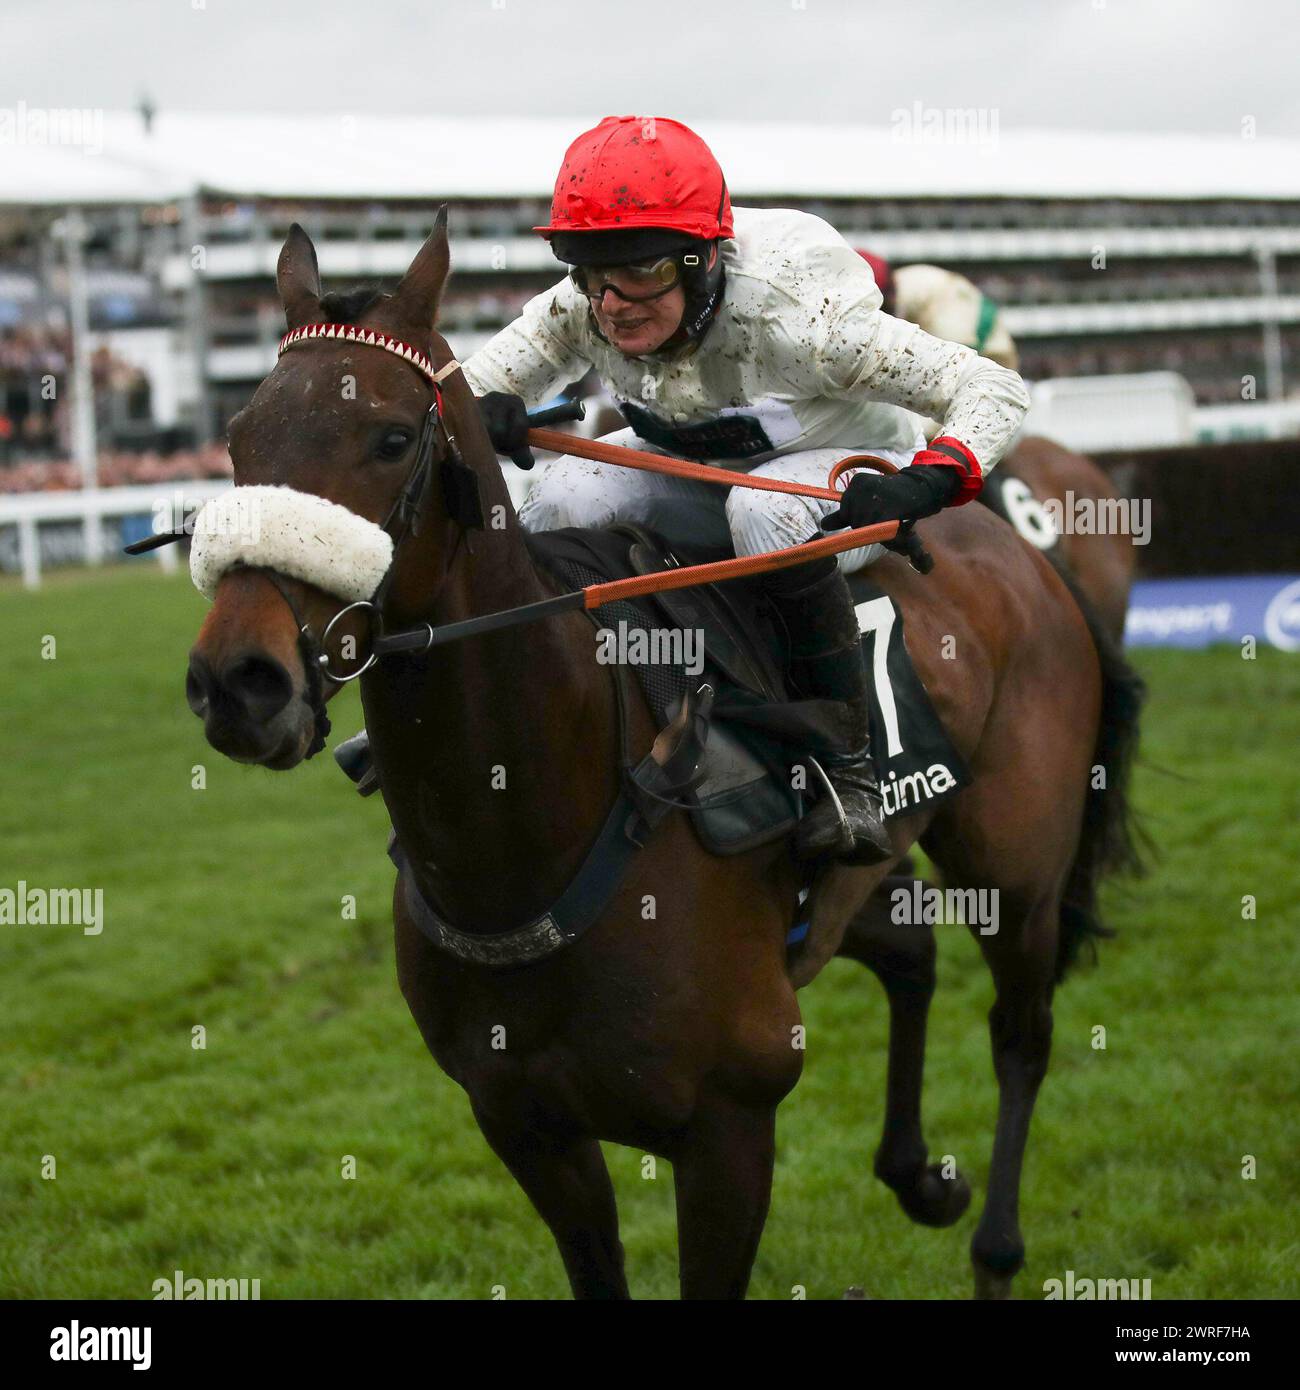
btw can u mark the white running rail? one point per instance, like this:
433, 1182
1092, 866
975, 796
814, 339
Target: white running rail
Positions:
28, 510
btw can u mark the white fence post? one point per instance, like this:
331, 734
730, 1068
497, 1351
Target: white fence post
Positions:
29, 550
93, 531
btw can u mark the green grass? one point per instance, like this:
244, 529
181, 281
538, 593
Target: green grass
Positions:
223, 909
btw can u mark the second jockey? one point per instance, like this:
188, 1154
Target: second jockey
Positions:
946, 305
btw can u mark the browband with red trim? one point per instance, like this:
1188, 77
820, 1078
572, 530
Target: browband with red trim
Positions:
369, 337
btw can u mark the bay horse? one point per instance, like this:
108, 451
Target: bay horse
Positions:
673, 1024
1103, 564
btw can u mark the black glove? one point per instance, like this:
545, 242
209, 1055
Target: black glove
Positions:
870, 498
506, 418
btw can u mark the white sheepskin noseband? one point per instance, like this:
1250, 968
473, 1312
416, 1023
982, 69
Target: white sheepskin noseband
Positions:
294, 533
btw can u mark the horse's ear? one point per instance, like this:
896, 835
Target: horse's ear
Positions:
421, 286
297, 277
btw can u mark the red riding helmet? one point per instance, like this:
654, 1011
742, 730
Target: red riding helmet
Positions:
640, 172
884, 274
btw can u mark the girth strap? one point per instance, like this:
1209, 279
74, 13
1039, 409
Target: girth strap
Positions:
646, 794
572, 913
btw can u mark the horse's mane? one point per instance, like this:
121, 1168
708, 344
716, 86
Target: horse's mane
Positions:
348, 306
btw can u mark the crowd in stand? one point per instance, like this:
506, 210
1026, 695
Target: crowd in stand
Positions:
31, 419
118, 468
36, 425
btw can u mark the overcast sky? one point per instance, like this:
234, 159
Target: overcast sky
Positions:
1141, 65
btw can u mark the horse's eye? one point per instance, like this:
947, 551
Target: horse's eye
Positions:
393, 445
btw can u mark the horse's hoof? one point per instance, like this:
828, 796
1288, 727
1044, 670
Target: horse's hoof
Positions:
854, 1292
991, 1287
934, 1200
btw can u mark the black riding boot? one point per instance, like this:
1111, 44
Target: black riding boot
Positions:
826, 664
353, 756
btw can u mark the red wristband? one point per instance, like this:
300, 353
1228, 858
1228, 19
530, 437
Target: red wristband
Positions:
946, 452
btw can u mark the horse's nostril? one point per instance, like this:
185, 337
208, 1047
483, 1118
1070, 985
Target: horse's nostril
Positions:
197, 685
261, 686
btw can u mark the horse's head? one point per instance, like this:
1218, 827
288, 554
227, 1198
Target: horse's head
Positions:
330, 476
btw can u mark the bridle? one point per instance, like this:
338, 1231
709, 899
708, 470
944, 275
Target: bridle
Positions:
435, 446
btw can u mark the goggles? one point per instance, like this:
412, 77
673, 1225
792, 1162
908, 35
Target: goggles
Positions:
636, 282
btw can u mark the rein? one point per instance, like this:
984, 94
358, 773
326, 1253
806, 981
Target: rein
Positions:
560, 443
422, 639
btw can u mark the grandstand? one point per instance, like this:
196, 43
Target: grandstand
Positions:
1109, 254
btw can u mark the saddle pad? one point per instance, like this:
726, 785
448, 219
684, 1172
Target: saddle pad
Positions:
917, 763
915, 758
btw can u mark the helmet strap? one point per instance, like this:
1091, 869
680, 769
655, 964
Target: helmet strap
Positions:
703, 285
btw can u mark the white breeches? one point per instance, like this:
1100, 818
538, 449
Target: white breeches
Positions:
580, 492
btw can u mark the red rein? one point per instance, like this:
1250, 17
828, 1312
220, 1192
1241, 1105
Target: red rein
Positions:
689, 575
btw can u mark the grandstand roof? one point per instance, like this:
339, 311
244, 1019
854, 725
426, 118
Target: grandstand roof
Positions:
376, 156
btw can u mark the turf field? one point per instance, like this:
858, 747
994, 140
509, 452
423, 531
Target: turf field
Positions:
222, 910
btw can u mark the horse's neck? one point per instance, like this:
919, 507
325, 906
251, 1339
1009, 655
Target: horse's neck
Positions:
498, 760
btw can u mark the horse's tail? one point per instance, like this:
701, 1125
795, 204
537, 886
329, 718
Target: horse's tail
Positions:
1111, 840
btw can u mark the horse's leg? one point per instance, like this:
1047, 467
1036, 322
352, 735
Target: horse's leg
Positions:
722, 1168
902, 955
1022, 958
568, 1182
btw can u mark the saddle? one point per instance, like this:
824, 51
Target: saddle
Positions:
679, 643
759, 733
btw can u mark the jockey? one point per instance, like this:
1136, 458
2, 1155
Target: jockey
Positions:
752, 338
946, 305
